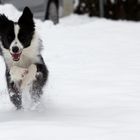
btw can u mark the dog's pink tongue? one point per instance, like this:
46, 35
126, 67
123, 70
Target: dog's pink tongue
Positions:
16, 56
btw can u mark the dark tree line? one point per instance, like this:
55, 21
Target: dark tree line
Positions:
114, 9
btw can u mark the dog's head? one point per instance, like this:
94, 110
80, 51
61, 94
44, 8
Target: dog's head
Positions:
15, 36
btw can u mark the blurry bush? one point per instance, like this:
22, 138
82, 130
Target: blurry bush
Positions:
90, 7
114, 9
122, 9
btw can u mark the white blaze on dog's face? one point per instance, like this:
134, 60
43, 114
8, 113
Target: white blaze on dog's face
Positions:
15, 37
16, 47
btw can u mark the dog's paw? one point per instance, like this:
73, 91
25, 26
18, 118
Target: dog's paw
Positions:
17, 73
29, 77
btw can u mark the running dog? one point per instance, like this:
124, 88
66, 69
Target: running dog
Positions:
21, 50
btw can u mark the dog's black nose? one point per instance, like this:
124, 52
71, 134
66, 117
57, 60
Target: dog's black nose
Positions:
15, 49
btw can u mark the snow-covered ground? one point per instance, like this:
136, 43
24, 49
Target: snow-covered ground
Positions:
93, 91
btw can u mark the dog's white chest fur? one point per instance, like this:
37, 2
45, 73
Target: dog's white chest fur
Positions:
24, 76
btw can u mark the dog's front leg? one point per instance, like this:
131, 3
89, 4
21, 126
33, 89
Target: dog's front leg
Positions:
14, 82
28, 83
15, 95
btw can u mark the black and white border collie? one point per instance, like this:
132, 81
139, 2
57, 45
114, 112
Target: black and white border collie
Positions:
25, 67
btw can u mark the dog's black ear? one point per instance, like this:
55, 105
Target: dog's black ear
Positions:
4, 22
26, 18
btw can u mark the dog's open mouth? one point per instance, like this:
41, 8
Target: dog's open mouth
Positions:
16, 56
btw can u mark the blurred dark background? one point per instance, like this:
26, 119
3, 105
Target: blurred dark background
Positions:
112, 9
55, 9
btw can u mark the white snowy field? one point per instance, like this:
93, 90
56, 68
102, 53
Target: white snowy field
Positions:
93, 91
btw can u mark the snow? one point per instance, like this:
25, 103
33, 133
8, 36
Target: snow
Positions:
93, 90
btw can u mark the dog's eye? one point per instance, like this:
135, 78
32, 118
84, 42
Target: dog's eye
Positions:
21, 37
10, 38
